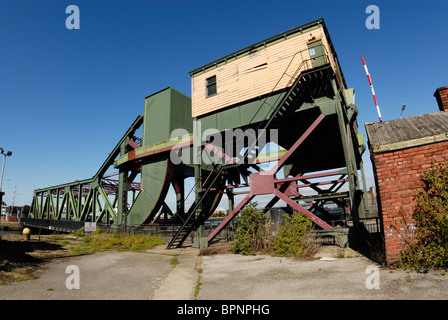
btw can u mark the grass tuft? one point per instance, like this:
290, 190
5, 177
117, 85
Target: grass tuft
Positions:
116, 241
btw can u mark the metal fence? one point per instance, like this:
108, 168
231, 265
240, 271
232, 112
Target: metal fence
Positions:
165, 230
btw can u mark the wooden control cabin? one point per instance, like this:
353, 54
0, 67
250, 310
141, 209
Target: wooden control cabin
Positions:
262, 68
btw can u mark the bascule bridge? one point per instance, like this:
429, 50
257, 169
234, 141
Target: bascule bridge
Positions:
274, 120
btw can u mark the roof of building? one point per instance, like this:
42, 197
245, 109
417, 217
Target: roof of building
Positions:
407, 132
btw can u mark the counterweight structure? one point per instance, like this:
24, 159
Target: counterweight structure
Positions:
287, 91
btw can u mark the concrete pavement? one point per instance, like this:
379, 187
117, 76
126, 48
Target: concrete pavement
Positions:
151, 275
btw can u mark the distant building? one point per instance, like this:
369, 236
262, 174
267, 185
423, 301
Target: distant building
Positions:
371, 198
401, 150
220, 212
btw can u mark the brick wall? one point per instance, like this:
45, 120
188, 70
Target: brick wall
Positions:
441, 95
398, 179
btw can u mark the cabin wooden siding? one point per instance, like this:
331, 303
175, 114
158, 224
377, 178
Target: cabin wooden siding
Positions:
255, 74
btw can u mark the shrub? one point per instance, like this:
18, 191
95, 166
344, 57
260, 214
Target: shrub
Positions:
251, 235
291, 239
254, 234
430, 249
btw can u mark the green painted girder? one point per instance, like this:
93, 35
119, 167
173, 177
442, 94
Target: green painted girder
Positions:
108, 209
155, 149
164, 111
76, 209
174, 144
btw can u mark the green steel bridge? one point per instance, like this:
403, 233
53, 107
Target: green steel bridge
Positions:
319, 162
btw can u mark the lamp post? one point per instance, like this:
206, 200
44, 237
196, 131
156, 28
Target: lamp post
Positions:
7, 154
402, 109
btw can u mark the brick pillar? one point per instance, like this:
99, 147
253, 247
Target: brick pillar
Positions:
441, 95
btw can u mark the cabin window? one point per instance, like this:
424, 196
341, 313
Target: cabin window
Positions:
210, 86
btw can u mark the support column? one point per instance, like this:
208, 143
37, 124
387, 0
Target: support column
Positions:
231, 198
199, 240
349, 156
123, 188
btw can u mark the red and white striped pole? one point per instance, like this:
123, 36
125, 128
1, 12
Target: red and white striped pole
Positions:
373, 91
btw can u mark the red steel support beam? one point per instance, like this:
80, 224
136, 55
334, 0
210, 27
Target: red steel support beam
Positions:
133, 144
231, 215
265, 183
218, 152
302, 210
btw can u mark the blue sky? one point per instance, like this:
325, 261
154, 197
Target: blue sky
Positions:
67, 96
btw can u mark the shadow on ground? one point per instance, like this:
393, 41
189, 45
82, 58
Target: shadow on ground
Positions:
368, 244
16, 253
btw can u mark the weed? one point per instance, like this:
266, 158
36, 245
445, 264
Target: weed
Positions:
174, 261
198, 284
197, 287
339, 252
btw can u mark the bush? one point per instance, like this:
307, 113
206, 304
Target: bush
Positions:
255, 234
251, 236
430, 249
291, 237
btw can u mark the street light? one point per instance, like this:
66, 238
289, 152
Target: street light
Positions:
402, 109
7, 154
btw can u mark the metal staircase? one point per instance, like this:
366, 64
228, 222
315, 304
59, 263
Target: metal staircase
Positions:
201, 209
